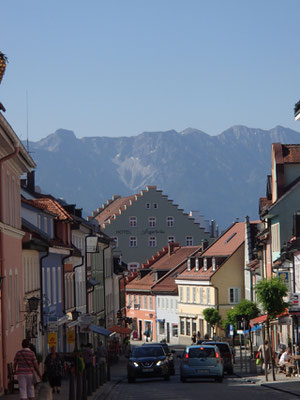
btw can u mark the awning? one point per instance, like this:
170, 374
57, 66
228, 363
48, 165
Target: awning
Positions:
258, 320
100, 330
120, 329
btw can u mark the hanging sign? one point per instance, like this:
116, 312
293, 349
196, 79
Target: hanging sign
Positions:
52, 339
71, 336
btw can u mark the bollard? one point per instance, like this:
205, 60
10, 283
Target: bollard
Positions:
97, 375
89, 381
93, 376
71, 386
84, 385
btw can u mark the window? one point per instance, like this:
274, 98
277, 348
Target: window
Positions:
189, 241
188, 327
140, 301
207, 295
171, 239
275, 237
180, 294
39, 221
234, 295
132, 221
11, 299
129, 300
201, 326
145, 302
116, 240
201, 295
155, 205
187, 294
133, 266
54, 285
59, 284
152, 241
148, 205
150, 303
162, 303
161, 327
158, 302
49, 285
152, 221
175, 330
170, 221
194, 295
45, 224
133, 241
182, 331
194, 325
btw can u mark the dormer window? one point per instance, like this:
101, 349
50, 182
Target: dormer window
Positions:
213, 263
205, 264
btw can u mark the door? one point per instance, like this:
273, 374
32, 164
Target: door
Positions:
140, 329
168, 332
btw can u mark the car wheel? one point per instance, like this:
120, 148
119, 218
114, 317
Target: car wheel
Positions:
219, 379
130, 380
183, 380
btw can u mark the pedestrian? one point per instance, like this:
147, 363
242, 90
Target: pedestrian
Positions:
194, 338
25, 363
53, 369
198, 336
147, 334
264, 355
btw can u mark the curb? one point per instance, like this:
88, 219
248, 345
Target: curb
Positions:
279, 389
105, 393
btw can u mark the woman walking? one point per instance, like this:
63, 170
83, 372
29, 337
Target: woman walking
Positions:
53, 369
25, 363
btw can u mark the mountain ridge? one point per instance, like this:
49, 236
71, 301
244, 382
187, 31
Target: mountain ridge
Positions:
222, 176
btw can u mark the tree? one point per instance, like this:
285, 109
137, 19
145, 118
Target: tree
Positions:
212, 317
270, 294
245, 311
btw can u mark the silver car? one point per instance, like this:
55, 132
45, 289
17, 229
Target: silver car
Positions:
203, 361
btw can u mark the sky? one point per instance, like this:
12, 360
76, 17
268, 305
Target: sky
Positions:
123, 67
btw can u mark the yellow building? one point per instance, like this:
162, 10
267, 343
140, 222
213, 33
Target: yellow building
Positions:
213, 278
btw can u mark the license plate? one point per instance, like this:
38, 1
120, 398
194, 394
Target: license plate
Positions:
148, 369
203, 371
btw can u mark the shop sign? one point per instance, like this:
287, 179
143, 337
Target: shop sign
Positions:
52, 339
294, 303
71, 336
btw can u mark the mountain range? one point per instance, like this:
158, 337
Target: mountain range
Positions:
221, 176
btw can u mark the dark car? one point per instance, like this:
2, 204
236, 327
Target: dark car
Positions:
169, 355
147, 362
226, 354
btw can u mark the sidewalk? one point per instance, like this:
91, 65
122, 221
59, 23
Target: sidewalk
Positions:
118, 371
248, 371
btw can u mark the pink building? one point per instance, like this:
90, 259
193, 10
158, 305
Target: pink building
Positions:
14, 161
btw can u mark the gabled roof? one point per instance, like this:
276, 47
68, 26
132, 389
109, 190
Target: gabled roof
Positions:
53, 206
291, 153
227, 244
167, 262
113, 208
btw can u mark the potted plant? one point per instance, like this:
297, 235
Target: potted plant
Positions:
3, 63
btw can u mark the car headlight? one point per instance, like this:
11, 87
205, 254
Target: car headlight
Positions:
135, 364
159, 363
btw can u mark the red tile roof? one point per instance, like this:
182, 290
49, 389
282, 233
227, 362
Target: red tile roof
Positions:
165, 263
291, 153
113, 208
53, 206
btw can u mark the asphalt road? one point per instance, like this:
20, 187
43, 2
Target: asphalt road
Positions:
230, 389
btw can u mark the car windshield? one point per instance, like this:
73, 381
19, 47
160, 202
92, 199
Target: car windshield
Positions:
223, 347
146, 351
202, 352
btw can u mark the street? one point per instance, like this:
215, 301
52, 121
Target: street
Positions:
231, 388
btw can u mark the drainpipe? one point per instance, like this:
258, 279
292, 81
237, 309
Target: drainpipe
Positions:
63, 280
3, 320
74, 281
42, 289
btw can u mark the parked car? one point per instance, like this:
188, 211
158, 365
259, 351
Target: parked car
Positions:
203, 361
147, 362
226, 354
169, 355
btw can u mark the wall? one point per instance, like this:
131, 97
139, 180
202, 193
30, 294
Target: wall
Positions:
166, 309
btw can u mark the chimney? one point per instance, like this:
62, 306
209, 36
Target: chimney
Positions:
204, 244
78, 212
31, 181
171, 248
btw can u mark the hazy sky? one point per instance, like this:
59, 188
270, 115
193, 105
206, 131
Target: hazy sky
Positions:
118, 68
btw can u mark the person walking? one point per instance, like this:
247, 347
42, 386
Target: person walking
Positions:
194, 338
25, 363
265, 355
53, 369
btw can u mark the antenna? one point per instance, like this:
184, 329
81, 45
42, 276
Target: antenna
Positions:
27, 123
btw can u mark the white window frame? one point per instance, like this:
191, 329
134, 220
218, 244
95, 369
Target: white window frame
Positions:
170, 221
180, 294
171, 239
152, 242
148, 206
201, 295
234, 295
155, 206
187, 291
194, 294
133, 222
275, 237
151, 222
132, 241
189, 240
208, 295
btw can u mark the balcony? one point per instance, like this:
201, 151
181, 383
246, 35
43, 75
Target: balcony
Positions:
297, 111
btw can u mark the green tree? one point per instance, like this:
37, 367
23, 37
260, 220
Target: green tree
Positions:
212, 317
270, 293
